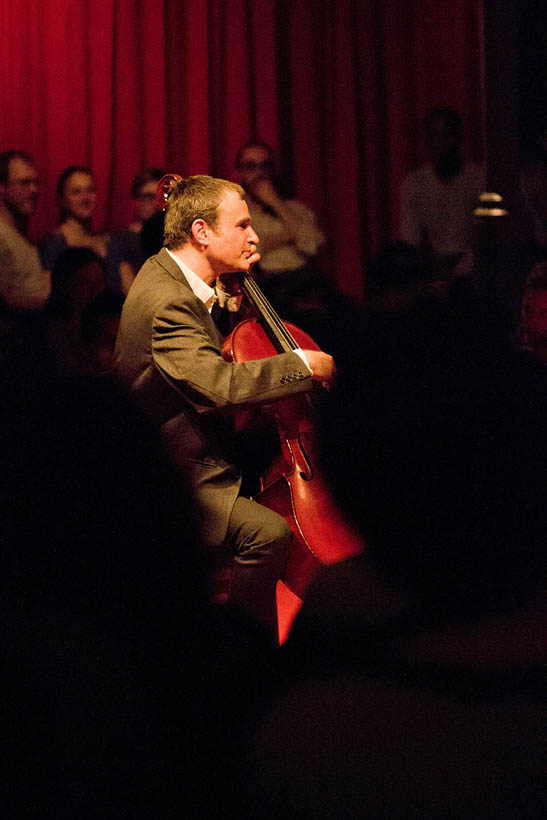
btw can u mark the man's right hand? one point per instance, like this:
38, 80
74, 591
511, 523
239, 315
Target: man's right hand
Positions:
264, 191
321, 366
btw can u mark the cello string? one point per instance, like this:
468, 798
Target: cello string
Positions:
268, 314
272, 318
266, 309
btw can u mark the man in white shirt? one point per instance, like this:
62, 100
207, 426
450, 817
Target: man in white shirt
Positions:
290, 238
438, 199
23, 283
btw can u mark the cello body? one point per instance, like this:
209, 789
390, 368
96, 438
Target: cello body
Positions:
293, 485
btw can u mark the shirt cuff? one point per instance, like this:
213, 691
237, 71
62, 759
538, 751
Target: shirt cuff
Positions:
302, 355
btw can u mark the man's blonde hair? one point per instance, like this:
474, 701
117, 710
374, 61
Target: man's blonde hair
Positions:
195, 197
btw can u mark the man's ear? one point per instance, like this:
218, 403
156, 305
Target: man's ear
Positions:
200, 232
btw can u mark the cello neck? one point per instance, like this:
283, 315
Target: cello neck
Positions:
274, 326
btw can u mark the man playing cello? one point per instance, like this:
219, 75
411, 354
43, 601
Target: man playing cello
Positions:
169, 355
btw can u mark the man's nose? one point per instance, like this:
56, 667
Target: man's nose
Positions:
253, 236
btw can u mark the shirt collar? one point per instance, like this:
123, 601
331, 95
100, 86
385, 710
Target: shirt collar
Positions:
201, 289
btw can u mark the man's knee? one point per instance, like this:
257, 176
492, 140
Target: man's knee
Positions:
280, 530
263, 534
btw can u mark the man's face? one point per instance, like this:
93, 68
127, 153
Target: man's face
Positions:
233, 243
534, 317
254, 164
21, 190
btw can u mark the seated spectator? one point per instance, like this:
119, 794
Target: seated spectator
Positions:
438, 199
533, 329
151, 235
23, 283
127, 243
290, 238
77, 199
100, 323
24, 286
78, 277
143, 196
533, 189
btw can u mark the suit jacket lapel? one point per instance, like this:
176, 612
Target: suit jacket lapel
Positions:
173, 270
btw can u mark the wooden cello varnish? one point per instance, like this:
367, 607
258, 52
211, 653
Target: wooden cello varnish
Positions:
293, 485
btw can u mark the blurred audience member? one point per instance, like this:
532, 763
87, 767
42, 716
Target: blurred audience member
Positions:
143, 196
438, 199
78, 277
537, 271
533, 188
19, 186
151, 236
533, 330
100, 324
77, 199
290, 238
127, 244
23, 283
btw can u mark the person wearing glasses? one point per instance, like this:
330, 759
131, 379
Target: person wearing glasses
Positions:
290, 238
438, 199
127, 244
23, 283
143, 196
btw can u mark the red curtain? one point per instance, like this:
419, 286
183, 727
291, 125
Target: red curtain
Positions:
337, 87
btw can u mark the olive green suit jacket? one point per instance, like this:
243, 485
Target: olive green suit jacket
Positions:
168, 354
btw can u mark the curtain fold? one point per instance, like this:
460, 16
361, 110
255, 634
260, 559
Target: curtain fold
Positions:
338, 88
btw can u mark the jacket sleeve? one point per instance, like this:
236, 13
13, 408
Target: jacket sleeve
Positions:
187, 355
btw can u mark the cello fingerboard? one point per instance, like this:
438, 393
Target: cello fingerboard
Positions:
279, 335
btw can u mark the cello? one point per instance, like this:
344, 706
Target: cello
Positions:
292, 485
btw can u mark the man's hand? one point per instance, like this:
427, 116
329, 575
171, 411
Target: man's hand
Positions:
321, 366
264, 191
229, 293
